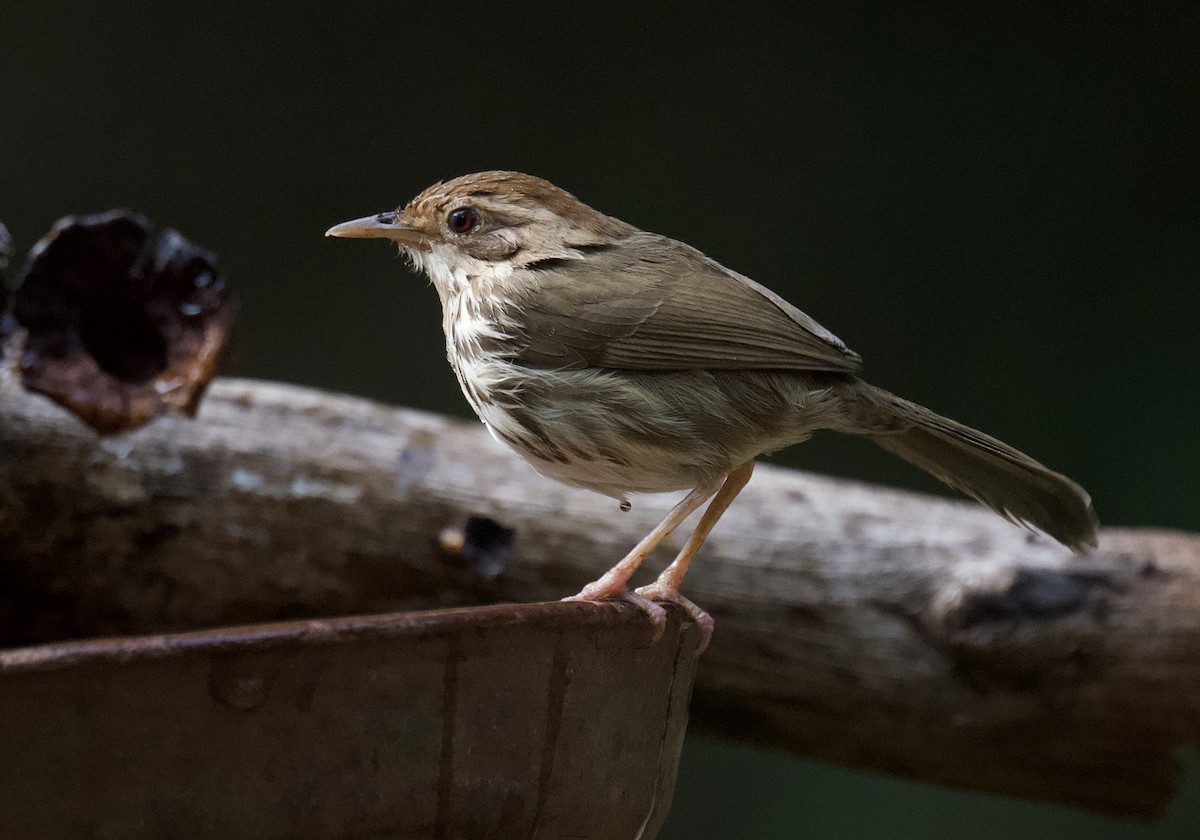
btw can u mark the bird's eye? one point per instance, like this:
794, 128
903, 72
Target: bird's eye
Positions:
463, 220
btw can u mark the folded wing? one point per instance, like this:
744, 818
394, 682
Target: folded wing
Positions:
649, 303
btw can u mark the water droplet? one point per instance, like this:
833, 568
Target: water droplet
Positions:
626, 506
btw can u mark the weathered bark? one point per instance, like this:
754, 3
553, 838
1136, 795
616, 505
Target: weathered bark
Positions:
869, 627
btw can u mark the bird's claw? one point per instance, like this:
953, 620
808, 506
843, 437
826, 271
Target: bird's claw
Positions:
649, 600
655, 612
658, 592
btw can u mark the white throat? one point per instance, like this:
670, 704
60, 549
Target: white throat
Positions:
454, 273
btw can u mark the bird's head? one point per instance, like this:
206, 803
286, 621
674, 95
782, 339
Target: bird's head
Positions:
488, 222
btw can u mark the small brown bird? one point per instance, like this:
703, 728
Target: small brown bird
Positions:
625, 362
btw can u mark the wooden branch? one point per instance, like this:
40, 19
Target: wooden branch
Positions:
873, 628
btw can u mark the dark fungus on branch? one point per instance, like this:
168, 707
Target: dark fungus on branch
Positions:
122, 326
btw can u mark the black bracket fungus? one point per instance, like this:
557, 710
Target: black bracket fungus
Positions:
122, 326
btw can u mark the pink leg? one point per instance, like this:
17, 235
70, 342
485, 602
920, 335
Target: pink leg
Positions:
666, 587
615, 582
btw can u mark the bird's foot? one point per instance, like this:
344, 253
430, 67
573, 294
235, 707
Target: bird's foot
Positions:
658, 591
602, 590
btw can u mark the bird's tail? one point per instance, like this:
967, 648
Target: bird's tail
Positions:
1006, 480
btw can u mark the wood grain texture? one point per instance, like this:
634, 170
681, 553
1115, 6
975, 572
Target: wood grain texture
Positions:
543, 721
873, 628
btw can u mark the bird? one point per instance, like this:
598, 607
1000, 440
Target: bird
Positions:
626, 362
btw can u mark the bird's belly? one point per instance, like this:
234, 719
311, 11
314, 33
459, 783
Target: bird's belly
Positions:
619, 432
576, 444
654, 472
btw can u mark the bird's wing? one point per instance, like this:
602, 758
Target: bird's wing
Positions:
648, 303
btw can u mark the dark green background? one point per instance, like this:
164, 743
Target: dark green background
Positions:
997, 208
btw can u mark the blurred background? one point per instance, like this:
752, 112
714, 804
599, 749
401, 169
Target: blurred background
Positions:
997, 205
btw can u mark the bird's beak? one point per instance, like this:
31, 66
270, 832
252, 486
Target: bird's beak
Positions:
380, 226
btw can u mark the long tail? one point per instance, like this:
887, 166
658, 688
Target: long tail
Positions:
1006, 480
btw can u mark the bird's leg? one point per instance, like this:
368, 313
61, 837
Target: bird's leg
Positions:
666, 587
668, 582
615, 582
